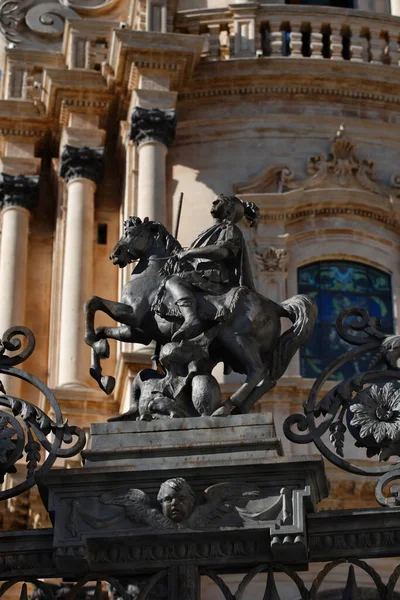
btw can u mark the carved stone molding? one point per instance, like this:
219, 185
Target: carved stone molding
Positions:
153, 124
272, 260
11, 17
339, 168
45, 19
278, 90
391, 221
18, 190
84, 162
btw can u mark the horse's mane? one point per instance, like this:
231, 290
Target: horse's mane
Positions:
160, 232
170, 242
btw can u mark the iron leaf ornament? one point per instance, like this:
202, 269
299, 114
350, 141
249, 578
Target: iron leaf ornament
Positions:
364, 407
25, 429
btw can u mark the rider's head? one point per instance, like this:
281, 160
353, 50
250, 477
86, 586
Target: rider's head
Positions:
232, 209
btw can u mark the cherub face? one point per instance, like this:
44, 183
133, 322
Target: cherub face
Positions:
176, 504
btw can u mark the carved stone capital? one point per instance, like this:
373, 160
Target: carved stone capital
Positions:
18, 190
84, 162
153, 124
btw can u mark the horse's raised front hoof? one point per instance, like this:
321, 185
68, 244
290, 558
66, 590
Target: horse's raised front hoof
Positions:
107, 384
101, 348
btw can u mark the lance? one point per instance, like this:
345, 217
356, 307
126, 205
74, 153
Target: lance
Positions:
155, 357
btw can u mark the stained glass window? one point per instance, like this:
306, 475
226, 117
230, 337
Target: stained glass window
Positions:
335, 286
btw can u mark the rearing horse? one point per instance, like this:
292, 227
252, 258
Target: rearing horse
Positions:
249, 341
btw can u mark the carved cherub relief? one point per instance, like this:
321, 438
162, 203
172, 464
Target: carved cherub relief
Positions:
226, 504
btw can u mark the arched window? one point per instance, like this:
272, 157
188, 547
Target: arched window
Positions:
335, 286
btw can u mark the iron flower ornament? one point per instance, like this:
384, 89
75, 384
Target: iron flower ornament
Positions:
365, 406
376, 412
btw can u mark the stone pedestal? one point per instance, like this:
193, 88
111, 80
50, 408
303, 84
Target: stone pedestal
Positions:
248, 503
176, 443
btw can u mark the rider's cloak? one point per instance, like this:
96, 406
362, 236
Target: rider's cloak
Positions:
217, 276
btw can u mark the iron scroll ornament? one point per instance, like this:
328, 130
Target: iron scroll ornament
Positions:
25, 428
365, 406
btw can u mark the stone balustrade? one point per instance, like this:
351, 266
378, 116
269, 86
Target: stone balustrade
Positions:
295, 31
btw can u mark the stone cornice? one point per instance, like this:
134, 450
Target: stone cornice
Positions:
153, 124
18, 190
84, 162
279, 77
288, 90
89, 106
20, 110
360, 533
331, 211
32, 56
69, 86
177, 54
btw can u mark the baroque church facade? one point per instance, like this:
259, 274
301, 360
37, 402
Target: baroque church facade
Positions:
112, 108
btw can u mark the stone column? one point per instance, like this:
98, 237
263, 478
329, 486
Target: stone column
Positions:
395, 7
18, 195
153, 130
81, 169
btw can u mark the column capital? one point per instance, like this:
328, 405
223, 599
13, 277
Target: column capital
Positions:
83, 162
153, 125
18, 190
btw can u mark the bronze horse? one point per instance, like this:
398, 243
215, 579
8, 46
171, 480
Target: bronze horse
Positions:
249, 341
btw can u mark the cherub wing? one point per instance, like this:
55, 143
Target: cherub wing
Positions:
232, 493
233, 504
137, 505
223, 502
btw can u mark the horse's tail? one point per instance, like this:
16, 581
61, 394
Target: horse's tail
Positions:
302, 311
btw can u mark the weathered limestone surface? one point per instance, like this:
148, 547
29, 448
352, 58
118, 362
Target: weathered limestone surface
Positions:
166, 444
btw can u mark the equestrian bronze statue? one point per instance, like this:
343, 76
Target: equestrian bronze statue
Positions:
201, 307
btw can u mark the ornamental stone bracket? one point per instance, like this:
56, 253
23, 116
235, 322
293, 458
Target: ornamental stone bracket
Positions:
134, 53
340, 168
65, 92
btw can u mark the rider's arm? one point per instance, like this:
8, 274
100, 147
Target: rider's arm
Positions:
215, 252
227, 246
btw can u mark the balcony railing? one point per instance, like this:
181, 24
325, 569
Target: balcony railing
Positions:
295, 31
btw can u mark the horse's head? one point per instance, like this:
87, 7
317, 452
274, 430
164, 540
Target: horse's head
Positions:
142, 239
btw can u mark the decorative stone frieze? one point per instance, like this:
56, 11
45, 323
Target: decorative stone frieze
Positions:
84, 162
153, 124
272, 259
18, 190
